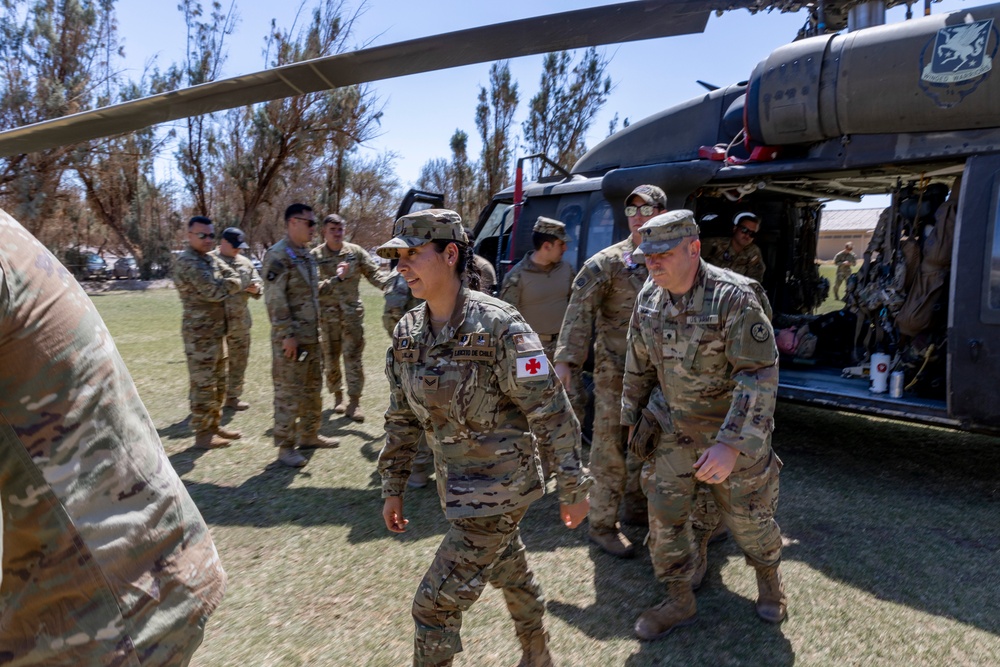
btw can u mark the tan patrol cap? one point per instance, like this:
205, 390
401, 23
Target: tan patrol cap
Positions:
416, 229
666, 231
649, 194
551, 227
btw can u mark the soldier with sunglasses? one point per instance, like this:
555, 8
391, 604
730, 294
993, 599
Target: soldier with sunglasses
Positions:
204, 282
738, 253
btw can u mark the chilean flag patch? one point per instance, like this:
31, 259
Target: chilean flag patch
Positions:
529, 368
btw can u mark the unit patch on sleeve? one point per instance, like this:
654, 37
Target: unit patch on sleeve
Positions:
527, 342
532, 368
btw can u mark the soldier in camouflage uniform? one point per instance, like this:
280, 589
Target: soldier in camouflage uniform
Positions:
737, 253
105, 558
701, 352
204, 283
603, 295
465, 369
292, 299
844, 261
342, 315
238, 320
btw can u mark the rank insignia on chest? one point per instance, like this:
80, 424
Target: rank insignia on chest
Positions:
669, 337
481, 340
404, 343
532, 368
464, 339
429, 382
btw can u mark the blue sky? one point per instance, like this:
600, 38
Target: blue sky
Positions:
648, 76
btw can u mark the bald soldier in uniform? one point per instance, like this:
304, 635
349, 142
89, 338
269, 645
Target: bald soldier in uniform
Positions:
238, 320
106, 560
702, 359
292, 299
341, 266
204, 283
738, 253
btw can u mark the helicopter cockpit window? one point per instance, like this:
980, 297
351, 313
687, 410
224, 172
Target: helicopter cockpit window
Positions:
994, 268
572, 215
601, 228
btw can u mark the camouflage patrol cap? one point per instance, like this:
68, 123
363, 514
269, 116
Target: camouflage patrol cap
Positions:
551, 227
666, 231
649, 194
416, 229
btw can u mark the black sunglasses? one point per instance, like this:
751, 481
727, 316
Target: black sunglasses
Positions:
204, 235
312, 223
749, 232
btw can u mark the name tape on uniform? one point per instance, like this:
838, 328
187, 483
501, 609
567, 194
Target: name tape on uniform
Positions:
529, 368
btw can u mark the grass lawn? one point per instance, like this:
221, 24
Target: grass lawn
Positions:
892, 538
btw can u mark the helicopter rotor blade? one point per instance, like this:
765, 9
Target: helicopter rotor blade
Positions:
610, 24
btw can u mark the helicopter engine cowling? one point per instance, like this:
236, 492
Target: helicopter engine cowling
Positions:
929, 74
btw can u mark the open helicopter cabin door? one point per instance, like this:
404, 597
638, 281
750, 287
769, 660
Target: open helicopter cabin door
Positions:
974, 319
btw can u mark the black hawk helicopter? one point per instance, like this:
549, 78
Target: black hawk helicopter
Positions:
850, 108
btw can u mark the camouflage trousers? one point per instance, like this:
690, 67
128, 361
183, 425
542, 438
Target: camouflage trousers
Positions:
616, 473
475, 550
297, 394
841, 279
238, 351
747, 500
206, 362
344, 336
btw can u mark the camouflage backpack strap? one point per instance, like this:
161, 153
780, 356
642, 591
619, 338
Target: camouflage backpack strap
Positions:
590, 276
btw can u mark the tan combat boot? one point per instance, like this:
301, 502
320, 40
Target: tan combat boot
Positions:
338, 402
772, 605
227, 434
612, 541
318, 442
233, 403
678, 610
291, 458
535, 650
700, 556
209, 440
353, 409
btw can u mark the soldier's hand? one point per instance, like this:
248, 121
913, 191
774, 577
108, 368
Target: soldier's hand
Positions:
573, 515
716, 463
290, 347
565, 374
253, 288
392, 514
342, 269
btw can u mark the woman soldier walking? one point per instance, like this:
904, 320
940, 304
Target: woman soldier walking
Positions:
468, 370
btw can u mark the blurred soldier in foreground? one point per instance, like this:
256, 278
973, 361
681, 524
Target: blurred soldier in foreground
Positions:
738, 253
539, 286
292, 303
204, 283
466, 368
844, 261
701, 351
238, 320
106, 560
603, 296
342, 315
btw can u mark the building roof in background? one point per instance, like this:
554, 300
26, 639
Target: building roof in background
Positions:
853, 220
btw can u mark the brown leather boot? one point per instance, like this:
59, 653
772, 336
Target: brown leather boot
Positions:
209, 440
338, 402
353, 409
612, 541
291, 458
772, 605
634, 514
535, 650
318, 442
227, 434
678, 610
233, 403
700, 556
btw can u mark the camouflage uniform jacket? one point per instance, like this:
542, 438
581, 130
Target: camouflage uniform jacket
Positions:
336, 294
398, 300
481, 419
539, 294
603, 294
204, 284
105, 556
708, 363
749, 263
237, 313
291, 295
845, 261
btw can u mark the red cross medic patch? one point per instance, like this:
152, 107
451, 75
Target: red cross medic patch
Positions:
530, 368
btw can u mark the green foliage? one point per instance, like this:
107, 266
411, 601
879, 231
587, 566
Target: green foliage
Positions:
494, 116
